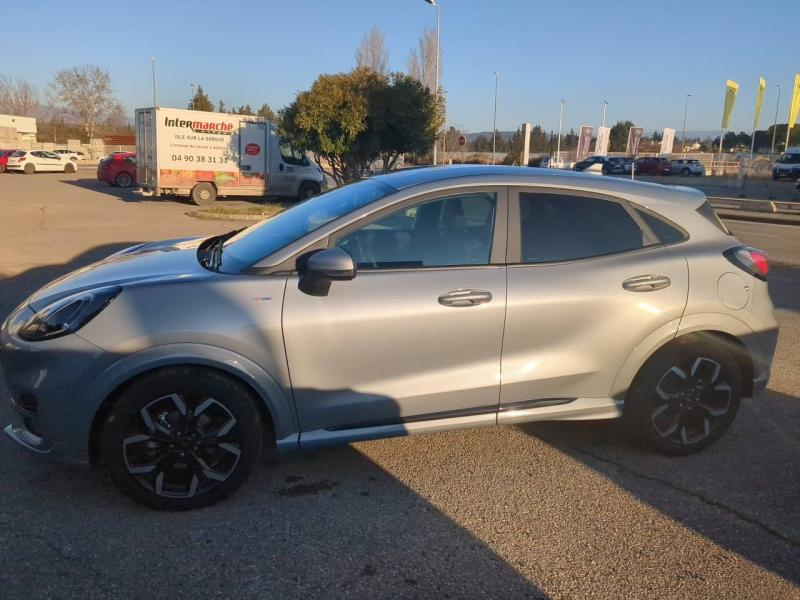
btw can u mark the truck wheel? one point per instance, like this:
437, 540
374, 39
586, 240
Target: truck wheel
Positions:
203, 194
123, 180
307, 190
30, 169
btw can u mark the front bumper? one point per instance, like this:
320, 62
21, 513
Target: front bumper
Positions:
52, 393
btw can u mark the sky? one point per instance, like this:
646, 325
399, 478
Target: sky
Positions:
642, 57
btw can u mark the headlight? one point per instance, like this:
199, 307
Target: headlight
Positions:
67, 315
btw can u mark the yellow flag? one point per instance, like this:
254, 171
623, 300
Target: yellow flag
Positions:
795, 101
731, 89
759, 99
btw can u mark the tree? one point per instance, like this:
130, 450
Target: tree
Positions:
372, 53
618, 137
267, 112
244, 110
350, 119
421, 62
221, 106
539, 139
200, 101
86, 90
482, 143
18, 96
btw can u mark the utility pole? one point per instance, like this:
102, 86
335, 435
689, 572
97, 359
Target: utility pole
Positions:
494, 119
191, 101
775, 123
683, 136
605, 108
438, 58
153, 64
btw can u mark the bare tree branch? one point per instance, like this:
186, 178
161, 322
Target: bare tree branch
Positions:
372, 52
87, 91
18, 96
421, 62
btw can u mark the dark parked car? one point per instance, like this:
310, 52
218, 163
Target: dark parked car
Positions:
588, 162
118, 168
618, 165
652, 165
4, 154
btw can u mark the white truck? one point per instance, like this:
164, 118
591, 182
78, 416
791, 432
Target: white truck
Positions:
204, 155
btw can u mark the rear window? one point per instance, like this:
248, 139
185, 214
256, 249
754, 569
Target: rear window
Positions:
665, 232
19, 153
707, 211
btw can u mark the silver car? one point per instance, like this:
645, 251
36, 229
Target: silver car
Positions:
418, 301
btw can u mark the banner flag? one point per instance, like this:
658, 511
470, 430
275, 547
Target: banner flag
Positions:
795, 101
584, 141
634, 137
667, 140
731, 89
759, 99
603, 137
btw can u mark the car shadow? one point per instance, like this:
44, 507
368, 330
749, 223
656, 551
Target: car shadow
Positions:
750, 479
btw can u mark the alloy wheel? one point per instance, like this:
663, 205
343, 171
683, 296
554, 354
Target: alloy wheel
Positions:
179, 446
690, 400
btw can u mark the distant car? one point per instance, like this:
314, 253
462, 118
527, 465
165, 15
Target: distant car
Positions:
652, 165
618, 165
118, 168
788, 165
588, 162
4, 155
71, 154
549, 162
687, 166
35, 161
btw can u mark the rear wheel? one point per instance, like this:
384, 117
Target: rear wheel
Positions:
686, 171
203, 194
29, 169
308, 189
182, 438
69, 167
123, 180
685, 397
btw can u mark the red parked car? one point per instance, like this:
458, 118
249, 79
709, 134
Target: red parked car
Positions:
118, 168
4, 154
652, 165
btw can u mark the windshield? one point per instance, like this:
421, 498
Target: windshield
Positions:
789, 158
271, 235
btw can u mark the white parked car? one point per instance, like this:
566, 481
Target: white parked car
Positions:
75, 155
687, 166
34, 161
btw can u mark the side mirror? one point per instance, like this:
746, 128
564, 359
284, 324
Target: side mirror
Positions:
323, 267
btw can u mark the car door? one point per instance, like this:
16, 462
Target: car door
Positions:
589, 281
414, 340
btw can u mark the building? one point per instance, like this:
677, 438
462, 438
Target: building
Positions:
25, 127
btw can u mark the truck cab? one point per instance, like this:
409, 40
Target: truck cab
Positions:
292, 172
788, 165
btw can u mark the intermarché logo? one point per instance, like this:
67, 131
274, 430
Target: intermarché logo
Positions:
201, 126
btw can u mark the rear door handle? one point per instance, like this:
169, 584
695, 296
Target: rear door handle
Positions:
458, 298
646, 283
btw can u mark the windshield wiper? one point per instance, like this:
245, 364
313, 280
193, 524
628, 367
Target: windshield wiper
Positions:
213, 247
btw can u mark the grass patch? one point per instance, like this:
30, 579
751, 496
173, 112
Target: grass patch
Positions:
240, 213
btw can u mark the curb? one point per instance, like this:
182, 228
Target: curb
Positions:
758, 217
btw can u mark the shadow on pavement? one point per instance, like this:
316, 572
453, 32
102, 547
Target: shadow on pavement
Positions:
751, 478
332, 525
784, 286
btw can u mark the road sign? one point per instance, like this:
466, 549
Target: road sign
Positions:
462, 140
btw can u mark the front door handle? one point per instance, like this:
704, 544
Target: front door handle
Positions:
458, 298
646, 283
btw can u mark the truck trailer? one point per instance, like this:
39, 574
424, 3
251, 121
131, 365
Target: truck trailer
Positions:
204, 155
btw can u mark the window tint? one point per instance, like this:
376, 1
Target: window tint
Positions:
666, 233
453, 231
561, 227
707, 211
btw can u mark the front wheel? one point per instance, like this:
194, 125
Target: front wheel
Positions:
123, 180
685, 397
69, 168
308, 189
182, 438
686, 172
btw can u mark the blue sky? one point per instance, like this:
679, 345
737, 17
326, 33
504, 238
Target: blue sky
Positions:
643, 57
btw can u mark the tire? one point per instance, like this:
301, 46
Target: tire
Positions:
69, 168
203, 194
123, 180
308, 189
29, 169
161, 438
686, 172
775, 177
685, 396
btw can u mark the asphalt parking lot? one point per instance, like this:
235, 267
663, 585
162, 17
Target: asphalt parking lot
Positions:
546, 510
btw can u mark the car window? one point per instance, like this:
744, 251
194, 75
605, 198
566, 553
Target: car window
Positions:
291, 156
665, 232
19, 153
557, 227
451, 231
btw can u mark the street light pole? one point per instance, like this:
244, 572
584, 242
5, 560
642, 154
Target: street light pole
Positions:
153, 64
775, 123
494, 119
191, 100
435, 4
605, 108
683, 136
560, 119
